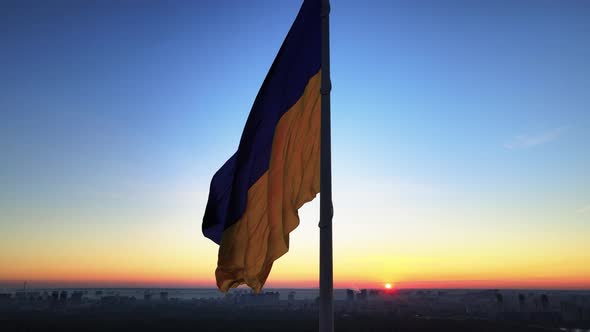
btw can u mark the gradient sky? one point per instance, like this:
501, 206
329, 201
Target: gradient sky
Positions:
461, 140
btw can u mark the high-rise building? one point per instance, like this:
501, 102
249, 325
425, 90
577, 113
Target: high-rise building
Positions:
63, 297
349, 295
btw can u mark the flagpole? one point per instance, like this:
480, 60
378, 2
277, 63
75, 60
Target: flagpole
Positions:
326, 209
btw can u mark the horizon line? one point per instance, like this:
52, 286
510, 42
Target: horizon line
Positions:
531, 284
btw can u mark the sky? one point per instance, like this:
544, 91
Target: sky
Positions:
461, 140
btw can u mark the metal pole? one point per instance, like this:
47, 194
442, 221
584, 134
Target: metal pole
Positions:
326, 209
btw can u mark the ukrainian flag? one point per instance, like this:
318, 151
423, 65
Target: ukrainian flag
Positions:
254, 197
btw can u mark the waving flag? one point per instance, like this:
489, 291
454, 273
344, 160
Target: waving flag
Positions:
254, 197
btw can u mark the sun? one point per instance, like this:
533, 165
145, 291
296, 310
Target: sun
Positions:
388, 286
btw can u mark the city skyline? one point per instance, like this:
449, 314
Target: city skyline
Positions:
460, 141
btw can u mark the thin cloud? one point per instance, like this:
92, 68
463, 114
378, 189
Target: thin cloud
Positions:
585, 209
528, 141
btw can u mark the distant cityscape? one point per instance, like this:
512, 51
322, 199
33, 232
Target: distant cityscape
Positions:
547, 309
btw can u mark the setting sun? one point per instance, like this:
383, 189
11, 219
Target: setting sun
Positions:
388, 286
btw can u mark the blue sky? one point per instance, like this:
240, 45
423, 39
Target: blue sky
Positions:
114, 115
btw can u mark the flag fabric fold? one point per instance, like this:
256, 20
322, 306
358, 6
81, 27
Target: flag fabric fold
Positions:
254, 197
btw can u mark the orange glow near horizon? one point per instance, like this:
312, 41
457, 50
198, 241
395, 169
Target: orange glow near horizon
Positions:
166, 268
154, 282
296, 270
163, 256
